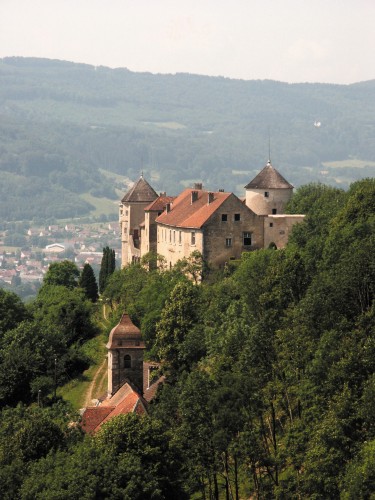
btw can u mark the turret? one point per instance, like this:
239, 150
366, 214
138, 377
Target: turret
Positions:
269, 192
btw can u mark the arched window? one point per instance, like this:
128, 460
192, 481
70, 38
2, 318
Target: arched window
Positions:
127, 361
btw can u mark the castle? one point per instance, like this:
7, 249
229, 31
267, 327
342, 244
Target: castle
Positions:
218, 224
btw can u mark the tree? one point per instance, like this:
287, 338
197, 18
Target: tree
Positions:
177, 321
130, 458
87, 281
63, 273
66, 311
28, 434
359, 481
107, 267
12, 311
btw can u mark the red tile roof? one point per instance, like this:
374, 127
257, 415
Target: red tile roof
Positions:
188, 214
151, 391
131, 404
159, 204
126, 400
94, 416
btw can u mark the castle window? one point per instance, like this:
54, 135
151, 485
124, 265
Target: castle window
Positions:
274, 211
170, 236
127, 361
228, 242
192, 242
179, 237
237, 217
246, 239
271, 224
174, 236
266, 194
224, 217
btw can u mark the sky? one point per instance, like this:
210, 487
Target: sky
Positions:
330, 41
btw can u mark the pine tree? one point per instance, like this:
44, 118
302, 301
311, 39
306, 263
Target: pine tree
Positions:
108, 265
87, 281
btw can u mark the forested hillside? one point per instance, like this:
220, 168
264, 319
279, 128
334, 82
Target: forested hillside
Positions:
62, 123
270, 363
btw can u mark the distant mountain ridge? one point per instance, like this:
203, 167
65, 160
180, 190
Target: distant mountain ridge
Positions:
61, 122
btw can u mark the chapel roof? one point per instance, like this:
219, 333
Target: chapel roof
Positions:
125, 334
269, 178
186, 213
126, 400
141, 192
94, 416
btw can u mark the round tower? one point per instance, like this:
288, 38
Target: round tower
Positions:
268, 192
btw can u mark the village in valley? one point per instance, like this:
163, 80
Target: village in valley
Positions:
27, 250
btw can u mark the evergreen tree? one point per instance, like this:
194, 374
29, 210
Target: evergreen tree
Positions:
108, 265
87, 281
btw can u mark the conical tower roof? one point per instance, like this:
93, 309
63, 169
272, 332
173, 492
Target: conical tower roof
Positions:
269, 178
141, 192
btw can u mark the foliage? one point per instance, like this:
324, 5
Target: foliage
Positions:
12, 311
107, 267
66, 310
129, 459
63, 273
270, 385
87, 281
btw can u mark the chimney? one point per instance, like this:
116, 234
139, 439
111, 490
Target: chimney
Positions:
168, 207
221, 190
210, 197
164, 193
197, 185
194, 196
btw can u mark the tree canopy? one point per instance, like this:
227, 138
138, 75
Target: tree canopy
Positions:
269, 389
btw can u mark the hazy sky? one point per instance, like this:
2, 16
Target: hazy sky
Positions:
288, 40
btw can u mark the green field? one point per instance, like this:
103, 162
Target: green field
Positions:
102, 205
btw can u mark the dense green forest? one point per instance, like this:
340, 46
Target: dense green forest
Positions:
62, 124
270, 384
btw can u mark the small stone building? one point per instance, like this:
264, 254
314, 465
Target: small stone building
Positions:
125, 356
132, 383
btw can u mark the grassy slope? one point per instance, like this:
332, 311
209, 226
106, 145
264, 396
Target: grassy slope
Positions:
102, 205
76, 390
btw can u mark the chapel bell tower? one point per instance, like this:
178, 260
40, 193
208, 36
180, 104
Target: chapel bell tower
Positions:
125, 356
